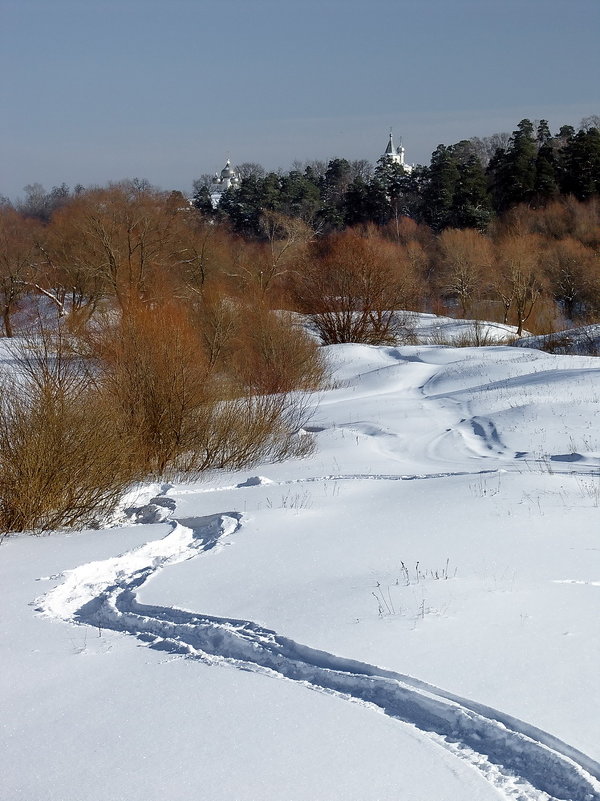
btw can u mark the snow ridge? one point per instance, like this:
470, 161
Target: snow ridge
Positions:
103, 594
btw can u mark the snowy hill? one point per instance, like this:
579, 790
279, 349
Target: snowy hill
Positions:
584, 340
410, 613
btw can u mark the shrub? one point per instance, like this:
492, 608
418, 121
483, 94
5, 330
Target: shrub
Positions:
64, 461
85, 416
155, 375
353, 289
274, 353
184, 413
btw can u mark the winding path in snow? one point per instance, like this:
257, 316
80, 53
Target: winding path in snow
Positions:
520, 760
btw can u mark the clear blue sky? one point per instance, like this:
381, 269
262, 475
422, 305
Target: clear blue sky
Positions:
98, 90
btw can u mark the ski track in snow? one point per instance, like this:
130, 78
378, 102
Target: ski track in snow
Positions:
261, 481
519, 760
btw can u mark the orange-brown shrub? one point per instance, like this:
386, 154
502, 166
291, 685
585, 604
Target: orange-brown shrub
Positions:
185, 413
353, 284
517, 277
274, 353
64, 458
466, 257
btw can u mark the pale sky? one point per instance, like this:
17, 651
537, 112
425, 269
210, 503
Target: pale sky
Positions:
99, 90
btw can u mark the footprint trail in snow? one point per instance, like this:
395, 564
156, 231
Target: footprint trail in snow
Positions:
520, 760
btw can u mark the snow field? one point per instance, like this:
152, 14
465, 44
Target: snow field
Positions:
435, 560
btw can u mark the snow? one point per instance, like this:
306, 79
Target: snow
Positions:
409, 613
432, 329
582, 340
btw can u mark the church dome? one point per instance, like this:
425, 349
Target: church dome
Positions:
227, 172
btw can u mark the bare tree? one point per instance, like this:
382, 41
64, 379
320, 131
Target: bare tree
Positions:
355, 287
466, 256
67, 274
518, 279
485, 147
574, 274
17, 259
250, 169
316, 168
126, 237
286, 236
593, 121
204, 182
206, 251
363, 169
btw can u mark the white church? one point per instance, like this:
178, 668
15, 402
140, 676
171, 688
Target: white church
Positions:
395, 155
227, 178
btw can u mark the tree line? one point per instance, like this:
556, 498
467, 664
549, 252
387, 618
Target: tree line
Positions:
126, 244
466, 184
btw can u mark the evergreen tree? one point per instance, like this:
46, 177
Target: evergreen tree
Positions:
471, 206
246, 204
581, 165
512, 171
243, 206
442, 179
334, 185
565, 134
546, 178
391, 191
360, 204
543, 135
202, 200
299, 197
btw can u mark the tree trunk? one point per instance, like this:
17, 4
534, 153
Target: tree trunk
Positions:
6, 322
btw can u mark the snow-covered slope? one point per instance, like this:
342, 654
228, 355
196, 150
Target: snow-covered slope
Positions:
432, 329
410, 613
584, 340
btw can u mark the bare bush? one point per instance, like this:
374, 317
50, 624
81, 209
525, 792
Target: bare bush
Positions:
216, 318
83, 417
274, 353
518, 280
185, 414
63, 458
466, 257
353, 290
243, 431
156, 375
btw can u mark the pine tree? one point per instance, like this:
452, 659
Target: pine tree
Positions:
546, 185
202, 200
299, 197
512, 171
471, 206
581, 165
442, 179
543, 135
391, 189
360, 203
334, 185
